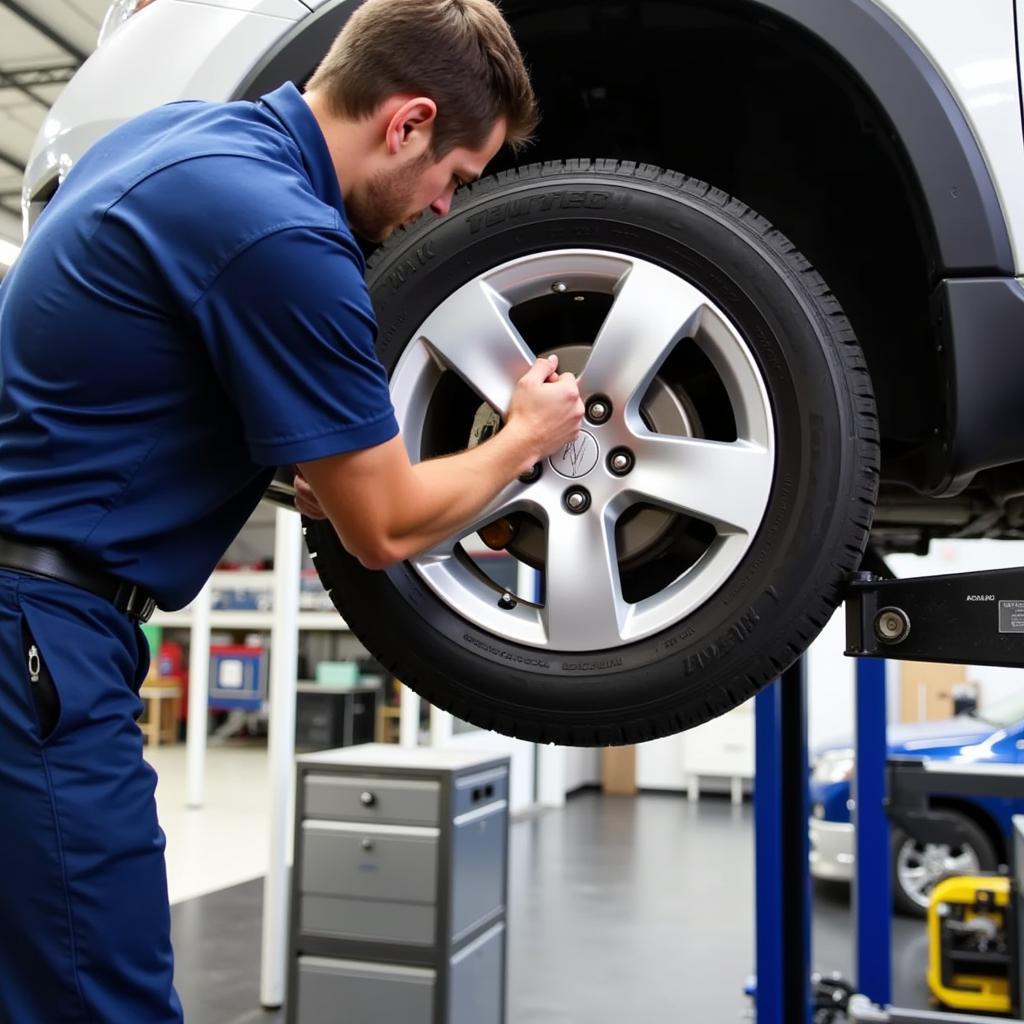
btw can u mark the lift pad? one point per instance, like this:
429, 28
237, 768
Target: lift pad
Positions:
970, 618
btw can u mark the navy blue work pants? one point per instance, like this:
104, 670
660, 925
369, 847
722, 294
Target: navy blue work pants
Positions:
84, 919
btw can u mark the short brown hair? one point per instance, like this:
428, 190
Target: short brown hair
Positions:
459, 53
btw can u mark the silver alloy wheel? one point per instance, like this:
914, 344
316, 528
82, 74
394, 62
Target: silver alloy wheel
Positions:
724, 484
920, 865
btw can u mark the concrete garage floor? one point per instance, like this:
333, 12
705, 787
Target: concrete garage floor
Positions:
635, 910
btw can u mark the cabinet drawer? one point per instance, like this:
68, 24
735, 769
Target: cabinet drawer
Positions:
330, 991
376, 862
340, 917
351, 798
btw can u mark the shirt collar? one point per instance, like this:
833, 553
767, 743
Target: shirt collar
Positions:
293, 111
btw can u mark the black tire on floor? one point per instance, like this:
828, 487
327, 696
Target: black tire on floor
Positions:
977, 840
820, 506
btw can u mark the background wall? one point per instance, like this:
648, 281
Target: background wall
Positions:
582, 768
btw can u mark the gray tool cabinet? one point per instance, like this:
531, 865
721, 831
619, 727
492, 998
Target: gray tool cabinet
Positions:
399, 888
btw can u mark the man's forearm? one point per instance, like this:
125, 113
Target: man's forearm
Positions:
451, 492
386, 510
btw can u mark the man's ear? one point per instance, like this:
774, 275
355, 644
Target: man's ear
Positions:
411, 126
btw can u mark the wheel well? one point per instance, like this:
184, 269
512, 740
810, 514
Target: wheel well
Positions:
981, 818
761, 109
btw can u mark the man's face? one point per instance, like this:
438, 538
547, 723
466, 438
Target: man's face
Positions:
398, 196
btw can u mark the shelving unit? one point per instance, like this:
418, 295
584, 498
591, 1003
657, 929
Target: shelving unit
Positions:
249, 620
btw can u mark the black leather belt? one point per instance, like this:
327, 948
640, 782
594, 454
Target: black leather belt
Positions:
39, 560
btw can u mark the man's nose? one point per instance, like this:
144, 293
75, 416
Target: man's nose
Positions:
441, 206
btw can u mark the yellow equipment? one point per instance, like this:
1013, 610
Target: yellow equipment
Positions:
969, 939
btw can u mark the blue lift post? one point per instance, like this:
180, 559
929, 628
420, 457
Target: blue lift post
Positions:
783, 885
873, 900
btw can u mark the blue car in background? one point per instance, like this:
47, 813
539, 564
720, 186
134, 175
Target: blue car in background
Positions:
994, 735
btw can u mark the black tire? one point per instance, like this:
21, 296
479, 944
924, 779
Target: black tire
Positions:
977, 841
820, 504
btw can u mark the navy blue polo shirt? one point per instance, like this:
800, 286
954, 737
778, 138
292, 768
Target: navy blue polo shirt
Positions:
189, 312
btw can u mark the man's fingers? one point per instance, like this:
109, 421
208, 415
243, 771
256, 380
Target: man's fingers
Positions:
310, 509
543, 369
310, 512
306, 500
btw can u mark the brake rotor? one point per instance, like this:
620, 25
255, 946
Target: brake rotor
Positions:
640, 534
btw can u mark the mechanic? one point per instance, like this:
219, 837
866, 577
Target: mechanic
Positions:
189, 313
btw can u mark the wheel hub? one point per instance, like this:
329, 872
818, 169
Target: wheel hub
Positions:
664, 410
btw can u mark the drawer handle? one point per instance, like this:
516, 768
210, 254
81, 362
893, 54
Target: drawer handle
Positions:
367, 845
367, 799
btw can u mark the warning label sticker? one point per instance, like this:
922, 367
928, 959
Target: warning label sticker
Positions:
1011, 616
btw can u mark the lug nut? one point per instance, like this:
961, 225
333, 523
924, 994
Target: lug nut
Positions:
577, 500
531, 475
621, 461
892, 625
506, 602
599, 409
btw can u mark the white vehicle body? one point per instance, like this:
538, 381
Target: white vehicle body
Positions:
184, 49
172, 50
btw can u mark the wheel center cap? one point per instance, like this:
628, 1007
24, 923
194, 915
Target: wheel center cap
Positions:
577, 458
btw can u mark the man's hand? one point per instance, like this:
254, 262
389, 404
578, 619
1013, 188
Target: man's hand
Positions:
546, 410
306, 501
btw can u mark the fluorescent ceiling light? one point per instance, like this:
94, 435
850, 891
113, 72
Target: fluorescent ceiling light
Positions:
8, 253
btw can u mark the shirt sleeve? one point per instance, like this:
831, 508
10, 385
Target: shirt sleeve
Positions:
290, 329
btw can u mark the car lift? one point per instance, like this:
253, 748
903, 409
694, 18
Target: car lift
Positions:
967, 618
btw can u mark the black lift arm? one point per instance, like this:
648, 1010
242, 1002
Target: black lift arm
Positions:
970, 618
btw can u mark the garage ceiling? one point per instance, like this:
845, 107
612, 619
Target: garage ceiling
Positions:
42, 43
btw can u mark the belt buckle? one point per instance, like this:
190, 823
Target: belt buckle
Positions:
136, 605
146, 612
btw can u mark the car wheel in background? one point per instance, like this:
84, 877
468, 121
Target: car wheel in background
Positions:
917, 866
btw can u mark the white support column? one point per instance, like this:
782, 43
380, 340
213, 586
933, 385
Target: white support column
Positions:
284, 652
409, 718
198, 697
736, 790
440, 727
551, 766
